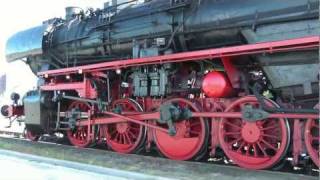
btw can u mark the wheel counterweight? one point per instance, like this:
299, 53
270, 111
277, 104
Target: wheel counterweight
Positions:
253, 145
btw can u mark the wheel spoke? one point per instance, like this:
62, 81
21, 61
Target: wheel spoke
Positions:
269, 145
232, 133
233, 125
253, 145
124, 139
255, 151
132, 135
262, 149
269, 128
116, 138
195, 124
271, 136
241, 146
263, 122
127, 136
129, 140
195, 132
248, 150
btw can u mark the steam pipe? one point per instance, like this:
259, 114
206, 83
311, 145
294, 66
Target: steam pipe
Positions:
256, 88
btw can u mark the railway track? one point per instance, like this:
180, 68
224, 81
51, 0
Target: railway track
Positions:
42, 168
11, 134
55, 148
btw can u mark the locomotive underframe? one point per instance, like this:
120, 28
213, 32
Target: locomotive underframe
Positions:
93, 116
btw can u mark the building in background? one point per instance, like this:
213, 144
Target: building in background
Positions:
3, 84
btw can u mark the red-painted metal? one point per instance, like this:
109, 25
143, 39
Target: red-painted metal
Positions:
80, 136
266, 47
239, 115
31, 136
190, 139
139, 118
234, 116
216, 85
297, 148
134, 118
63, 86
215, 122
312, 138
253, 145
12, 111
232, 72
125, 137
84, 88
213, 105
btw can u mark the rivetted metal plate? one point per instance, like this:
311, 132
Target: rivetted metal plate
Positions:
25, 43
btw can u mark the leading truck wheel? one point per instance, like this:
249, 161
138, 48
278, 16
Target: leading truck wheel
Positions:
79, 136
254, 145
312, 138
32, 136
191, 136
125, 137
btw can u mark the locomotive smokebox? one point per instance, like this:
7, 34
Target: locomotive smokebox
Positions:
216, 85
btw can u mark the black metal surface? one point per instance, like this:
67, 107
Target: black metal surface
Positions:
161, 27
39, 111
198, 24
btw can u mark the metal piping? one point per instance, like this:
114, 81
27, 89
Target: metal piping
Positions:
256, 88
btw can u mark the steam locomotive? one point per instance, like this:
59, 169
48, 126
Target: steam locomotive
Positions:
194, 78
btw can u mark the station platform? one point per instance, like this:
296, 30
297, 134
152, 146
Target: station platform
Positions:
109, 165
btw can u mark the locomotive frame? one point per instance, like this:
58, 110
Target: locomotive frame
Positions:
262, 145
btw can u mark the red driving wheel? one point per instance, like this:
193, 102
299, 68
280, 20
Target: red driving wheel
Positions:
311, 137
191, 138
125, 137
254, 145
79, 136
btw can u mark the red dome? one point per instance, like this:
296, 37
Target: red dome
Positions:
216, 85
